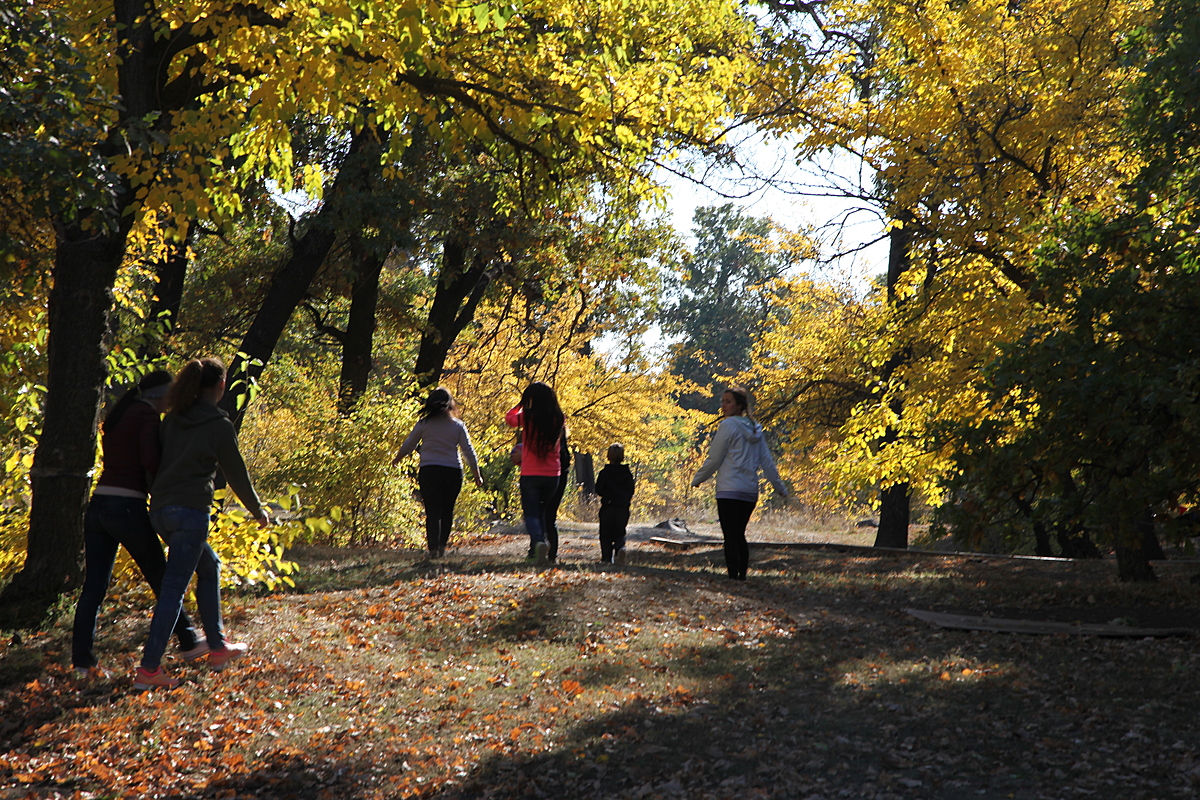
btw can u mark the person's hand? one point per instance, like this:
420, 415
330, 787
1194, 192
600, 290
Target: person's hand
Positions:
479, 479
264, 519
396, 460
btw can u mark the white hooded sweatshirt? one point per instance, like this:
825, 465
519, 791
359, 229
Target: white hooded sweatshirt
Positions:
736, 454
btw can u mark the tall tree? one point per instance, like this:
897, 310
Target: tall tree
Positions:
720, 298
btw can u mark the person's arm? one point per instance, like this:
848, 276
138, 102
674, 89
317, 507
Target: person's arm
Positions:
410, 443
716, 453
767, 463
468, 451
515, 416
229, 457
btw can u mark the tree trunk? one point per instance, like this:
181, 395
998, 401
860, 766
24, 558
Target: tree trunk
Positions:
1133, 554
894, 501
288, 287
291, 283
893, 517
585, 475
360, 332
169, 279
459, 291
81, 299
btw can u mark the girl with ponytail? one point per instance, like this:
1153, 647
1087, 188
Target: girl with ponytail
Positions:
117, 517
440, 435
197, 439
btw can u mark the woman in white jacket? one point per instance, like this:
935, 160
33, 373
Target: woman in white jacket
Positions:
736, 454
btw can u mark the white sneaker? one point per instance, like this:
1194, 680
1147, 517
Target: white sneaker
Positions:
540, 551
619, 556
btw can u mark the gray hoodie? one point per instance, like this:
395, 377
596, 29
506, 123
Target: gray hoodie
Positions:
194, 443
736, 454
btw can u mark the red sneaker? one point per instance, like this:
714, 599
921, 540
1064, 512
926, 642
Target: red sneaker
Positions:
145, 680
219, 659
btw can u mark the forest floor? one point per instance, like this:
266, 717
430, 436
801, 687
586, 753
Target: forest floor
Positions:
386, 675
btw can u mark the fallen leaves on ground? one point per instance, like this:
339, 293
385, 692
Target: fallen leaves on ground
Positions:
484, 678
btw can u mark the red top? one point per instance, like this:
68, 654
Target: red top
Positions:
548, 464
131, 449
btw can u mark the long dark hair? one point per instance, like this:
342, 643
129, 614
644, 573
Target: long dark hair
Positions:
543, 418
151, 380
440, 401
196, 376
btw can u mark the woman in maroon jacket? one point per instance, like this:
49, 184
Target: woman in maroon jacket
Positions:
117, 515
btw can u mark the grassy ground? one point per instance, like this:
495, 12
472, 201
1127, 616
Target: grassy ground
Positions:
385, 676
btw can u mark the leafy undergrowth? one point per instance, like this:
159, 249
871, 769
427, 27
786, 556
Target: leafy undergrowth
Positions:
479, 677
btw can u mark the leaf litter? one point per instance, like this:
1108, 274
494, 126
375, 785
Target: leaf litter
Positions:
479, 677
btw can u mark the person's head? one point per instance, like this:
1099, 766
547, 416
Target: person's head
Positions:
543, 417
152, 387
200, 377
440, 401
616, 453
735, 402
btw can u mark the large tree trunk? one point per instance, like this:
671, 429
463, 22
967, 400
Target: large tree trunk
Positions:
288, 287
1133, 551
893, 517
80, 302
291, 283
459, 291
894, 501
360, 332
85, 268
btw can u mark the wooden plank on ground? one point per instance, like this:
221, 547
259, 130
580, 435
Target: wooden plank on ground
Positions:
1034, 626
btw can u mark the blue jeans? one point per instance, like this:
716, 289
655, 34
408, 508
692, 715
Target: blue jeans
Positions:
111, 522
186, 532
536, 493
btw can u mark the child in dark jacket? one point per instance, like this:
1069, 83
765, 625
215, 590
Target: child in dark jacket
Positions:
615, 486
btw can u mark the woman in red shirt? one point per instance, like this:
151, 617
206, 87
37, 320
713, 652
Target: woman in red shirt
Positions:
542, 422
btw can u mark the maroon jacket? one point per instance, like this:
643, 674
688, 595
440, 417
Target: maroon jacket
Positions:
131, 449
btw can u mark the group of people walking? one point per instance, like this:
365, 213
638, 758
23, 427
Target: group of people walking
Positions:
174, 463
737, 454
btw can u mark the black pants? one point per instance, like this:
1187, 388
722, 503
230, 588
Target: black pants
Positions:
734, 516
439, 492
110, 523
552, 517
613, 520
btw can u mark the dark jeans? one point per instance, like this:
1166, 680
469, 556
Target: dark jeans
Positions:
734, 516
552, 517
536, 493
439, 492
110, 523
613, 520
186, 532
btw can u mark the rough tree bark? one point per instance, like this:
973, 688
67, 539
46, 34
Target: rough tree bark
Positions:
360, 332
460, 289
81, 299
290, 285
894, 501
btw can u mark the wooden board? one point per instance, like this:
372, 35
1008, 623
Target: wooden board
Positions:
1034, 626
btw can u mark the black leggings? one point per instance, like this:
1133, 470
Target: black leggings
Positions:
734, 516
439, 492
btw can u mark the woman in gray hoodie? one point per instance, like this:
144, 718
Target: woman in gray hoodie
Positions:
197, 439
737, 452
